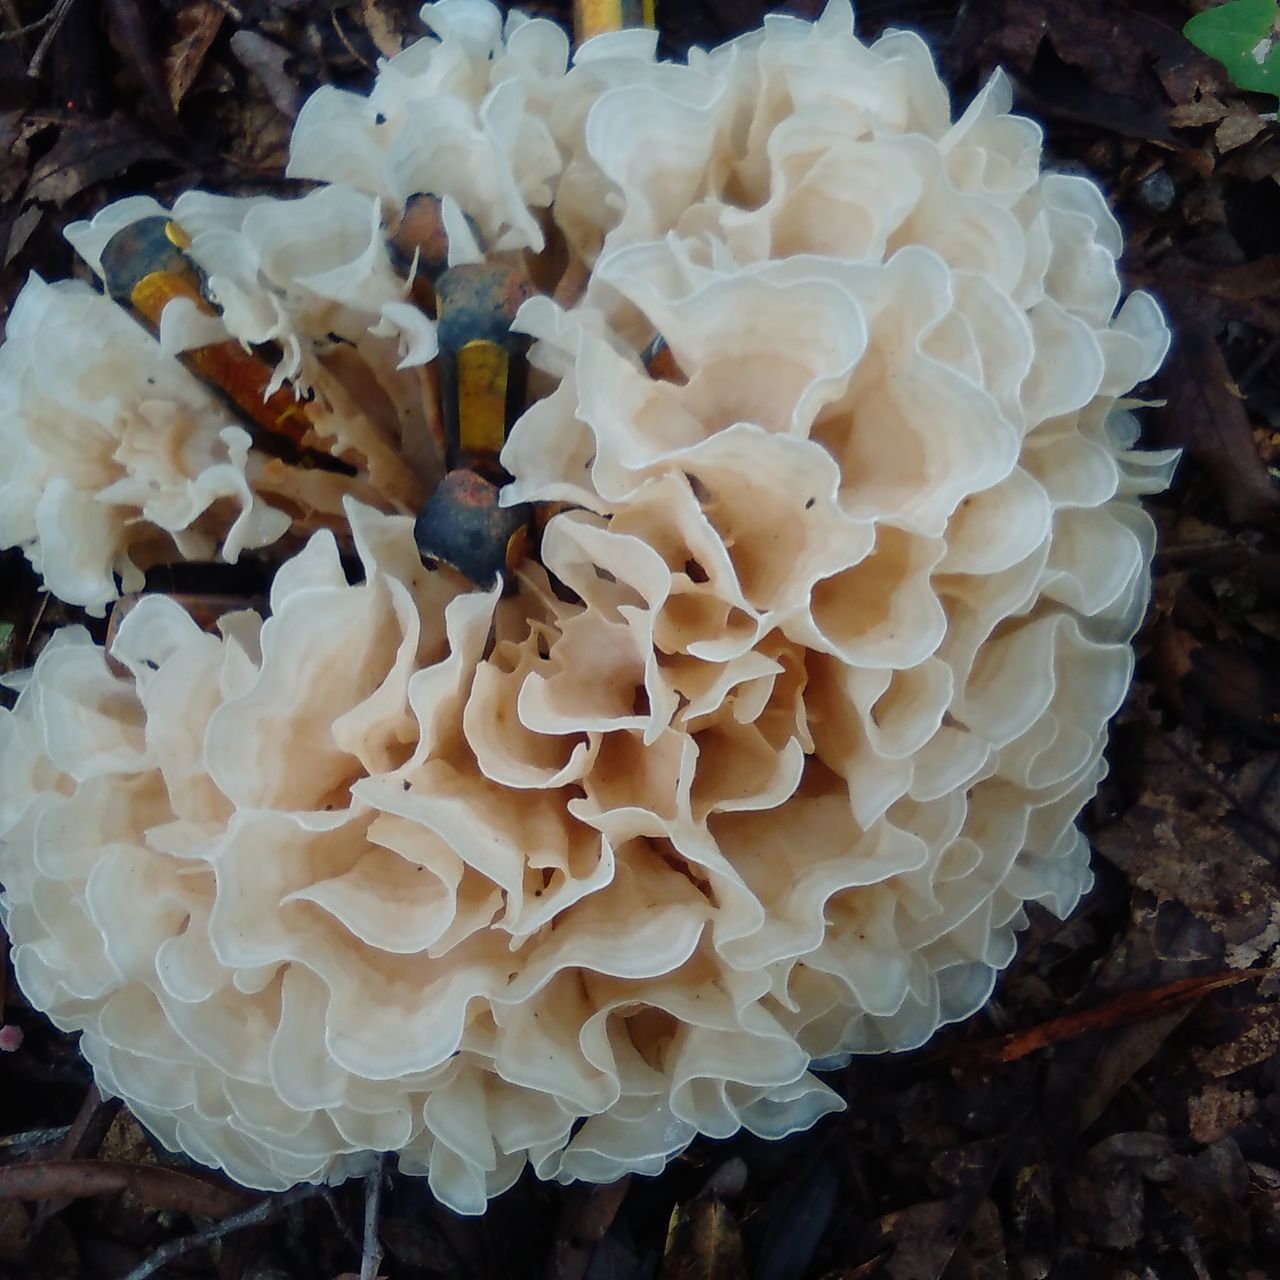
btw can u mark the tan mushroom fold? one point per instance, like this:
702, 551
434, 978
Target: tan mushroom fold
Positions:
760, 761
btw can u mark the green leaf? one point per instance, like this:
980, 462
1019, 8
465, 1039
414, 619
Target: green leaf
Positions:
1245, 37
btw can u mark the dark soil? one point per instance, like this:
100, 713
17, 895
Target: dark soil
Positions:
1114, 1112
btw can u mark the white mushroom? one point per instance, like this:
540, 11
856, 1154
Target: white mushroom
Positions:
756, 767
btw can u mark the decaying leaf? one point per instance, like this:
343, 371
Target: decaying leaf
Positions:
1198, 836
589, 1213
1241, 124
1205, 415
703, 1243
1218, 1110
198, 25
798, 1213
383, 27
129, 28
90, 152
922, 1239
15, 1231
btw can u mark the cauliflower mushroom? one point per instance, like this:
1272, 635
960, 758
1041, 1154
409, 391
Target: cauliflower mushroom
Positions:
754, 767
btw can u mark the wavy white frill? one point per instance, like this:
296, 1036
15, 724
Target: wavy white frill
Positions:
116, 457
465, 113
356, 937
311, 280
124, 459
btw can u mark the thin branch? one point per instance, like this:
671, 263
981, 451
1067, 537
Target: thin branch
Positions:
262, 1212
340, 1220
371, 1255
350, 48
17, 1143
15, 33
44, 598
54, 19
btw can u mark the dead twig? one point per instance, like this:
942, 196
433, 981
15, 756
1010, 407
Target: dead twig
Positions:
340, 1220
53, 20
346, 43
371, 1253
35, 623
30, 28
32, 1139
262, 1212
86, 1132
84, 1135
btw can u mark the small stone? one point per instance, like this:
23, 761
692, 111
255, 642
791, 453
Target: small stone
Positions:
1157, 192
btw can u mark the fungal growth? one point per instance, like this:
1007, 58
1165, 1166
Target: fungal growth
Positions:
778, 549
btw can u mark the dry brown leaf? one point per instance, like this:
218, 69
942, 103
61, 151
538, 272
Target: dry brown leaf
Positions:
588, 1214
981, 1255
89, 151
1217, 1111
130, 32
261, 138
1250, 282
198, 25
20, 231
1208, 109
16, 130
383, 28
1204, 415
15, 1231
703, 1243
1241, 124
923, 1238
157, 1187
1256, 1042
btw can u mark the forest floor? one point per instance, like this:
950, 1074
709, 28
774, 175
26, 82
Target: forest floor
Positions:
1114, 1112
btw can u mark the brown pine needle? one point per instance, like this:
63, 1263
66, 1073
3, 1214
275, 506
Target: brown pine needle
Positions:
1120, 1009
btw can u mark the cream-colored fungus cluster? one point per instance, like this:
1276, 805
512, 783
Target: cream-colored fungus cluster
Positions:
759, 762
115, 457
120, 458
115, 472
466, 113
